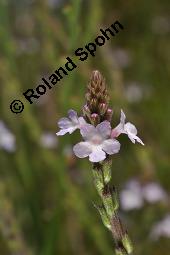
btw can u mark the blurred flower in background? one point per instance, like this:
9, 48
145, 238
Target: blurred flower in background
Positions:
131, 196
153, 192
27, 45
135, 92
122, 57
134, 195
7, 139
161, 229
49, 140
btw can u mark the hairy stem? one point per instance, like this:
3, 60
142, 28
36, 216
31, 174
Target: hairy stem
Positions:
110, 204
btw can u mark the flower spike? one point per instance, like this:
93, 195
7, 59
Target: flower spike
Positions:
99, 144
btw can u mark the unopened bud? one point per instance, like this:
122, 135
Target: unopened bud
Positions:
109, 114
86, 112
95, 119
93, 103
96, 75
102, 108
86, 109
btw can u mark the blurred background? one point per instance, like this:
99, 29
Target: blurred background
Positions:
46, 194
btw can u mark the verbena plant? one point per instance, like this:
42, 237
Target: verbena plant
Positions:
99, 145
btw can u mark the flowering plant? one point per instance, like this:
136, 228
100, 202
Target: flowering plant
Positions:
99, 144
99, 140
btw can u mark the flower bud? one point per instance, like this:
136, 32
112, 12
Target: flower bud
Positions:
109, 114
95, 119
86, 112
86, 109
103, 108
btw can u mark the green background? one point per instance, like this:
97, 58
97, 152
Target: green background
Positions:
46, 194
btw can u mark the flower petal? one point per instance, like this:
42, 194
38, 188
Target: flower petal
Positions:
131, 131
122, 117
131, 137
139, 140
131, 200
82, 149
69, 130
97, 155
134, 138
104, 128
62, 132
64, 123
87, 131
82, 121
73, 116
111, 146
117, 131
130, 128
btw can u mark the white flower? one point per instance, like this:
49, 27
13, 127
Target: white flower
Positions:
134, 92
7, 139
70, 124
161, 228
121, 57
126, 128
130, 200
153, 192
131, 197
48, 140
134, 194
97, 142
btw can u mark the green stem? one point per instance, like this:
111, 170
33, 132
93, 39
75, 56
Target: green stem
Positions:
108, 209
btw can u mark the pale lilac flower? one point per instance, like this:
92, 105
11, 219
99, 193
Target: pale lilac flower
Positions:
70, 124
48, 140
162, 228
153, 192
134, 194
130, 200
134, 92
126, 128
7, 139
121, 57
131, 196
97, 142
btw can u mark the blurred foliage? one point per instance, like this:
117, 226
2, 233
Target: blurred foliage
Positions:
46, 195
